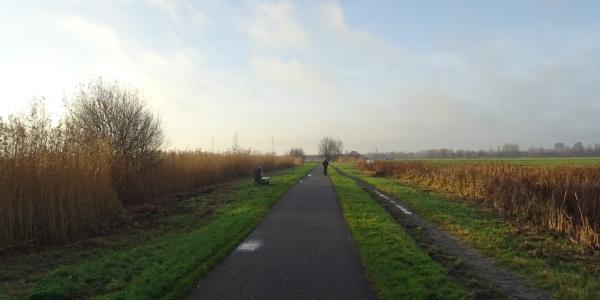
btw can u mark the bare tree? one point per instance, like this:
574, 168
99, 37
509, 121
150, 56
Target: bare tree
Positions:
330, 148
296, 152
119, 115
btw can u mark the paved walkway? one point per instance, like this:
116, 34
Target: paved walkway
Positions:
301, 250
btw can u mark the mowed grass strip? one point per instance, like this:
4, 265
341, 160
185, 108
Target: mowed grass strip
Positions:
548, 260
395, 265
167, 266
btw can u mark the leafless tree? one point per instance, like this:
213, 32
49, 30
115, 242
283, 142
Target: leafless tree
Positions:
119, 115
330, 148
296, 152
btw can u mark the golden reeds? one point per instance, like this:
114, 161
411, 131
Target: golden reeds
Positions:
54, 188
50, 188
562, 198
184, 170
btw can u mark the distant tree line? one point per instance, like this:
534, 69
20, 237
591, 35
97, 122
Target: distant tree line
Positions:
506, 150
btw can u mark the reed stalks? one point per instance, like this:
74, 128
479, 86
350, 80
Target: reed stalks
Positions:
56, 188
565, 199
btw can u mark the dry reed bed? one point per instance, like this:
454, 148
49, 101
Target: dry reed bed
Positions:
52, 197
185, 170
54, 188
562, 198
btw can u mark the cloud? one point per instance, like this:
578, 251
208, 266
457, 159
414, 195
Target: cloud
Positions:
275, 25
181, 12
332, 16
300, 70
294, 78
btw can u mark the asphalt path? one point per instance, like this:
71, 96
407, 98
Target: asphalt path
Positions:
301, 250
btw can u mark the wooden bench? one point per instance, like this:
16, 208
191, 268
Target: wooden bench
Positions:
259, 178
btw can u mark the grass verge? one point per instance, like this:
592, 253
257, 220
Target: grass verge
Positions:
396, 266
162, 262
547, 259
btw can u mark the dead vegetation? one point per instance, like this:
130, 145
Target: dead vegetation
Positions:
562, 198
60, 182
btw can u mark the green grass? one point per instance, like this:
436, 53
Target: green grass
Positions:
521, 161
548, 260
396, 266
167, 265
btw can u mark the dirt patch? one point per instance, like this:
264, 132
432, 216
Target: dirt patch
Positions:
478, 273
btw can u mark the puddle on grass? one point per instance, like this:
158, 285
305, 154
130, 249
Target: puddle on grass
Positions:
249, 246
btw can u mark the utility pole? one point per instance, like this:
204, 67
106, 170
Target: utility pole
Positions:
212, 144
272, 144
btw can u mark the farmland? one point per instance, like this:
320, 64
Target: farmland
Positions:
521, 161
281, 149
561, 198
525, 239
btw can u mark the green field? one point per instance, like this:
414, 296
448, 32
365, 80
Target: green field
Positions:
521, 161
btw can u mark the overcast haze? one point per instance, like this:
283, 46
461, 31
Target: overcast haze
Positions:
397, 75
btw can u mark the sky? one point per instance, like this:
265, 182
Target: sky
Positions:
392, 75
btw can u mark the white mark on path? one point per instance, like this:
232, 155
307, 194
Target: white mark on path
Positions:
381, 195
249, 246
404, 210
309, 175
300, 181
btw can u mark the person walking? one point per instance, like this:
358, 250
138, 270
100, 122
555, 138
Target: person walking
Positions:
325, 165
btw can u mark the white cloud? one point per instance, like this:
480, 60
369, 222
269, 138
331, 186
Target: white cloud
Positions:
294, 78
332, 16
303, 71
180, 11
275, 24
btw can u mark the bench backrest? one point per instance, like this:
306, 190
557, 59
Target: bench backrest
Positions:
258, 174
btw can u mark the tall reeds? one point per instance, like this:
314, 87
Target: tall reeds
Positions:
51, 189
562, 198
184, 170
56, 187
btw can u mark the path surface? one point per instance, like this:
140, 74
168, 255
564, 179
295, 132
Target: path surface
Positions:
301, 250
